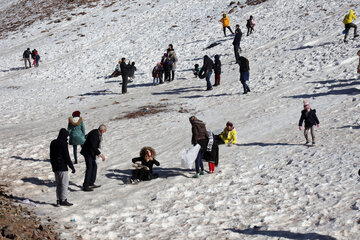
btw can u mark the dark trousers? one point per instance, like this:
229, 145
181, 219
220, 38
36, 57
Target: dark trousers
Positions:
217, 79
124, 83
224, 29
347, 29
249, 30
91, 170
236, 51
141, 174
172, 75
167, 76
199, 161
245, 86
218, 140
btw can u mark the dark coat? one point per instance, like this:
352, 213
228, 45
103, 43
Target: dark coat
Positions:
199, 132
149, 164
217, 65
125, 69
207, 67
92, 143
213, 155
237, 38
244, 64
309, 117
26, 54
59, 152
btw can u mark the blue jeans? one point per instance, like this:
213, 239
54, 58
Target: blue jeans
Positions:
208, 83
236, 51
199, 162
156, 81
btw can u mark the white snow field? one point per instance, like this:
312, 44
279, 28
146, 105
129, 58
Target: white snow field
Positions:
270, 186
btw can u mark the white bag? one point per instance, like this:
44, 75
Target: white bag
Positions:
188, 156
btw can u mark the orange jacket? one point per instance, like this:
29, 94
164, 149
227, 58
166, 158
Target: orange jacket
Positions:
225, 21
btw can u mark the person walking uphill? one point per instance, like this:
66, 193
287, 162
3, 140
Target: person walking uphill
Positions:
26, 57
90, 151
199, 136
217, 70
225, 23
349, 24
60, 160
309, 116
206, 71
236, 42
76, 130
125, 71
244, 73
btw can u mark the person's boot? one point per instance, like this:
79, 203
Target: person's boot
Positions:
65, 203
57, 203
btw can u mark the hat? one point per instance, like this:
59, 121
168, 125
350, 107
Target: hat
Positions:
76, 114
305, 103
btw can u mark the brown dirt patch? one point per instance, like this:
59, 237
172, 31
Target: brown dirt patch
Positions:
144, 111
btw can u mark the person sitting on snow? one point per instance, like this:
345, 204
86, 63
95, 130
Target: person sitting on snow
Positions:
143, 166
117, 71
228, 135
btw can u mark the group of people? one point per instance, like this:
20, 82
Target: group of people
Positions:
250, 24
127, 72
165, 69
34, 56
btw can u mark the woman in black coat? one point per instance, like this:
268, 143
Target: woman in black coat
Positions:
206, 71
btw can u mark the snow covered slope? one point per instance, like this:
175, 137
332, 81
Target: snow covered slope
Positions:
270, 184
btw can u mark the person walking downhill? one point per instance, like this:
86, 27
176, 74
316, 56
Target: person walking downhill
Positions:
311, 120
199, 136
349, 24
60, 160
26, 57
217, 70
244, 73
90, 151
236, 42
250, 23
226, 23
76, 130
206, 71
125, 70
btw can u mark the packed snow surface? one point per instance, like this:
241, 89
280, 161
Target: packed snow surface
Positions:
270, 186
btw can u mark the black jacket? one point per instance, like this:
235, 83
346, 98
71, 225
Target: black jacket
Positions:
149, 164
244, 64
92, 143
207, 67
26, 54
309, 117
59, 152
217, 65
237, 38
125, 69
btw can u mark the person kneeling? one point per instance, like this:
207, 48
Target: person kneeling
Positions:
228, 136
143, 166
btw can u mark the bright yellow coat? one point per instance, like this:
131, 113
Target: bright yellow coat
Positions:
230, 138
225, 21
349, 17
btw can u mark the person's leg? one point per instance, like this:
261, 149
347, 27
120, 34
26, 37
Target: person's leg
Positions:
88, 171
75, 153
64, 176
173, 75
25, 63
58, 186
218, 79
224, 29
154, 80
248, 31
93, 173
209, 86
306, 132
124, 84
230, 30
247, 87
352, 25
236, 52
312, 131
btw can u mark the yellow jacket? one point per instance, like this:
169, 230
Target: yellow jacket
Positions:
349, 17
226, 22
230, 138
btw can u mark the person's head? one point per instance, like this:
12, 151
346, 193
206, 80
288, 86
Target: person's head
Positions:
147, 153
237, 26
306, 105
123, 59
102, 128
119, 61
76, 114
192, 119
217, 57
251, 17
229, 126
171, 47
63, 134
196, 65
28, 49
133, 63
224, 15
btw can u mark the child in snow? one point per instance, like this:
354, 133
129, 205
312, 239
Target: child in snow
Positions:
349, 24
228, 135
143, 166
250, 23
196, 70
217, 70
117, 71
156, 73
211, 154
36, 58
132, 71
309, 116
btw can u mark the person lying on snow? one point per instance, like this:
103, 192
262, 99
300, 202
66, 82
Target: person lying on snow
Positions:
143, 166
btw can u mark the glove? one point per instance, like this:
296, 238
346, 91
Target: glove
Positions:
73, 170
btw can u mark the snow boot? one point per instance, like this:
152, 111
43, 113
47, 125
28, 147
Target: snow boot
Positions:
197, 175
65, 203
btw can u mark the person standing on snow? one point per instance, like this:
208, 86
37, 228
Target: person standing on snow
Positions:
217, 70
60, 160
226, 23
199, 136
236, 42
172, 57
37, 59
358, 68
125, 70
309, 116
244, 73
250, 23
76, 130
349, 24
206, 71
90, 151
26, 57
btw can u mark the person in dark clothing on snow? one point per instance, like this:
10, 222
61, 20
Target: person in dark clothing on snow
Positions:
125, 71
236, 42
132, 71
244, 73
349, 24
309, 116
144, 165
60, 160
117, 71
199, 136
206, 71
26, 57
250, 23
196, 70
90, 151
217, 70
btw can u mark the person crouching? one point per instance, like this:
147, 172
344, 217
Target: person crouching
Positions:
143, 166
